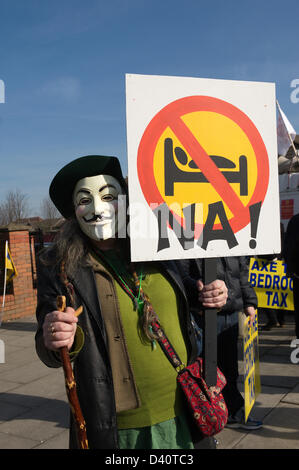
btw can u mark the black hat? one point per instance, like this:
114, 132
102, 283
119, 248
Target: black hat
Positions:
63, 184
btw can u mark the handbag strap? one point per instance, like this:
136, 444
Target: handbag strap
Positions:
167, 347
160, 335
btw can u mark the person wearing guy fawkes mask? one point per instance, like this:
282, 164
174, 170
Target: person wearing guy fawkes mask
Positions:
126, 387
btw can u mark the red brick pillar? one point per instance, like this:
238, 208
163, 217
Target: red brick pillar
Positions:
20, 300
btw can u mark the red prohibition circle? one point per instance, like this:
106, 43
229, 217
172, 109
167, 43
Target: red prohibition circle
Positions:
170, 116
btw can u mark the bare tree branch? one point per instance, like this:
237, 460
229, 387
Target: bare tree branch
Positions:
48, 210
14, 207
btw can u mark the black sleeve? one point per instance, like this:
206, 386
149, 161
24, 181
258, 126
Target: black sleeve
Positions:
248, 293
48, 288
191, 271
291, 246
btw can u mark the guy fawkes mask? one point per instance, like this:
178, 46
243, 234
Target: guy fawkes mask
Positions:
96, 206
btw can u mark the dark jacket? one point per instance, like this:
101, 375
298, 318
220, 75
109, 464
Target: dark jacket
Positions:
233, 271
92, 367
291, 247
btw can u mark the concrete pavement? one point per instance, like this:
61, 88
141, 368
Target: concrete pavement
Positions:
34, 412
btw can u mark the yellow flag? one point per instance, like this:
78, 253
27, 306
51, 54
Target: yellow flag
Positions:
9, 266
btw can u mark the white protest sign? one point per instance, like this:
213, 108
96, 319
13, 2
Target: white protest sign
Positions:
202, 160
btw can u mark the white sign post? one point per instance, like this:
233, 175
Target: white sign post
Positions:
203, 174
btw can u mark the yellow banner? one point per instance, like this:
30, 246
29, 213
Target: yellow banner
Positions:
252, 381
9, 266
272, 287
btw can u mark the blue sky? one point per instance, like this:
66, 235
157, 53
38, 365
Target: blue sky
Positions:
64, 62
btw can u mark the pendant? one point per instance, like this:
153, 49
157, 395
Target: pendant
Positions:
139, 305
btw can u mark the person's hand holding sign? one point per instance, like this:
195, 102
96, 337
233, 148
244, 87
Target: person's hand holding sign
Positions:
213, 295
250, 312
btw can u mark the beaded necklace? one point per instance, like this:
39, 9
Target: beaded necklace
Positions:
141, 301
136, 296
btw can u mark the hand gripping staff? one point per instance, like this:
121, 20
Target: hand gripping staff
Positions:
70, 384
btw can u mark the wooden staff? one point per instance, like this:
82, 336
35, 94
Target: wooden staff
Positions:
70, 383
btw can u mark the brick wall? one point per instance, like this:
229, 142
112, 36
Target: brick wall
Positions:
20, 299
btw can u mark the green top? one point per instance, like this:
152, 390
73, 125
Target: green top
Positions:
154, 375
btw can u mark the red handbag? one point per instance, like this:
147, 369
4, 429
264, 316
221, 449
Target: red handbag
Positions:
206, 404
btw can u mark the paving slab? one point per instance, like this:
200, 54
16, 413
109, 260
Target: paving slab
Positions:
280, 430
25, 373
49, 387
10, 411
59, 441
281, 350
278, 372
17, 357
18, 338
265, 402
292, 397
40, 423
6, 386
8, 441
